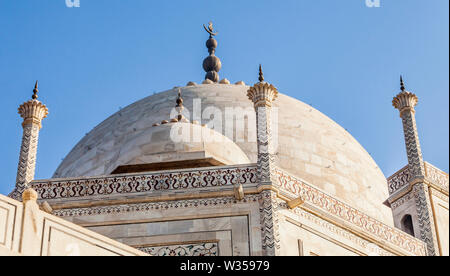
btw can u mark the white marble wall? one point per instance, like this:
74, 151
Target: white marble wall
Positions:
233, 225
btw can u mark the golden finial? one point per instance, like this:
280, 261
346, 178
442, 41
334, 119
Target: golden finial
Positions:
261, 76
35, 91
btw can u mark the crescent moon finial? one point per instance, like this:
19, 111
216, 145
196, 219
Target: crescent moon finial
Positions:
210, 29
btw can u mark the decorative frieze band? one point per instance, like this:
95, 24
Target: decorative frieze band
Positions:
439, 195
403, 177
192, 249
340, 231
399, 202
333, 206
146, 207
399, 180
138, 183
437, 176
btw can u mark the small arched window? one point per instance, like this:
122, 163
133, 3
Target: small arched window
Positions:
407, 225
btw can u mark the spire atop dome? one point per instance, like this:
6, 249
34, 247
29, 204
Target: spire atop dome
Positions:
211, 64
261, 75
262, 93
405, 100
402, 84
179, 99
35, 91
179, 107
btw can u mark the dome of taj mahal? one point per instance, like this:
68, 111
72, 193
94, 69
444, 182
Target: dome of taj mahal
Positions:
309, 145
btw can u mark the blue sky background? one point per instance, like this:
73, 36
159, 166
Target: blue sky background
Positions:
337, 55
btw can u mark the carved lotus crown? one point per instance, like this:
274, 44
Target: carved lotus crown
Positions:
405, 100
33, 111
262, 94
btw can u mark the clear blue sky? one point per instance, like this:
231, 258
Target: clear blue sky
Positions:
337, 55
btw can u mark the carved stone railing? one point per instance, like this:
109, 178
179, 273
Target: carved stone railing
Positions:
437, 176
194, 249
359, 220
129, 184
398, 180
401, 178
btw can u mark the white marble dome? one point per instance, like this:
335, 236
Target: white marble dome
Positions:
310, 145
177, 144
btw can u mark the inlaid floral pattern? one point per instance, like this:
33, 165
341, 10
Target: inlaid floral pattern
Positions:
146, 182
195, 249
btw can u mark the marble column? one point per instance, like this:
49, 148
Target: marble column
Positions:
405, 102
32, 112
263, 94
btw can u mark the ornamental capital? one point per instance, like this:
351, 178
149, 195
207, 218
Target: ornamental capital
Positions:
262, 93
33, 112
405, 101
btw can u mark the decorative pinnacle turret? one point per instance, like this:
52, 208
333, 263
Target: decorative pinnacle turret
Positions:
179, 99
179, 105
33, 111
35, 91
262, 93
261, 76
179, 108
405, 100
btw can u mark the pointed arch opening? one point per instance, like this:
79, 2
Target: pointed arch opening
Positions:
408, 225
